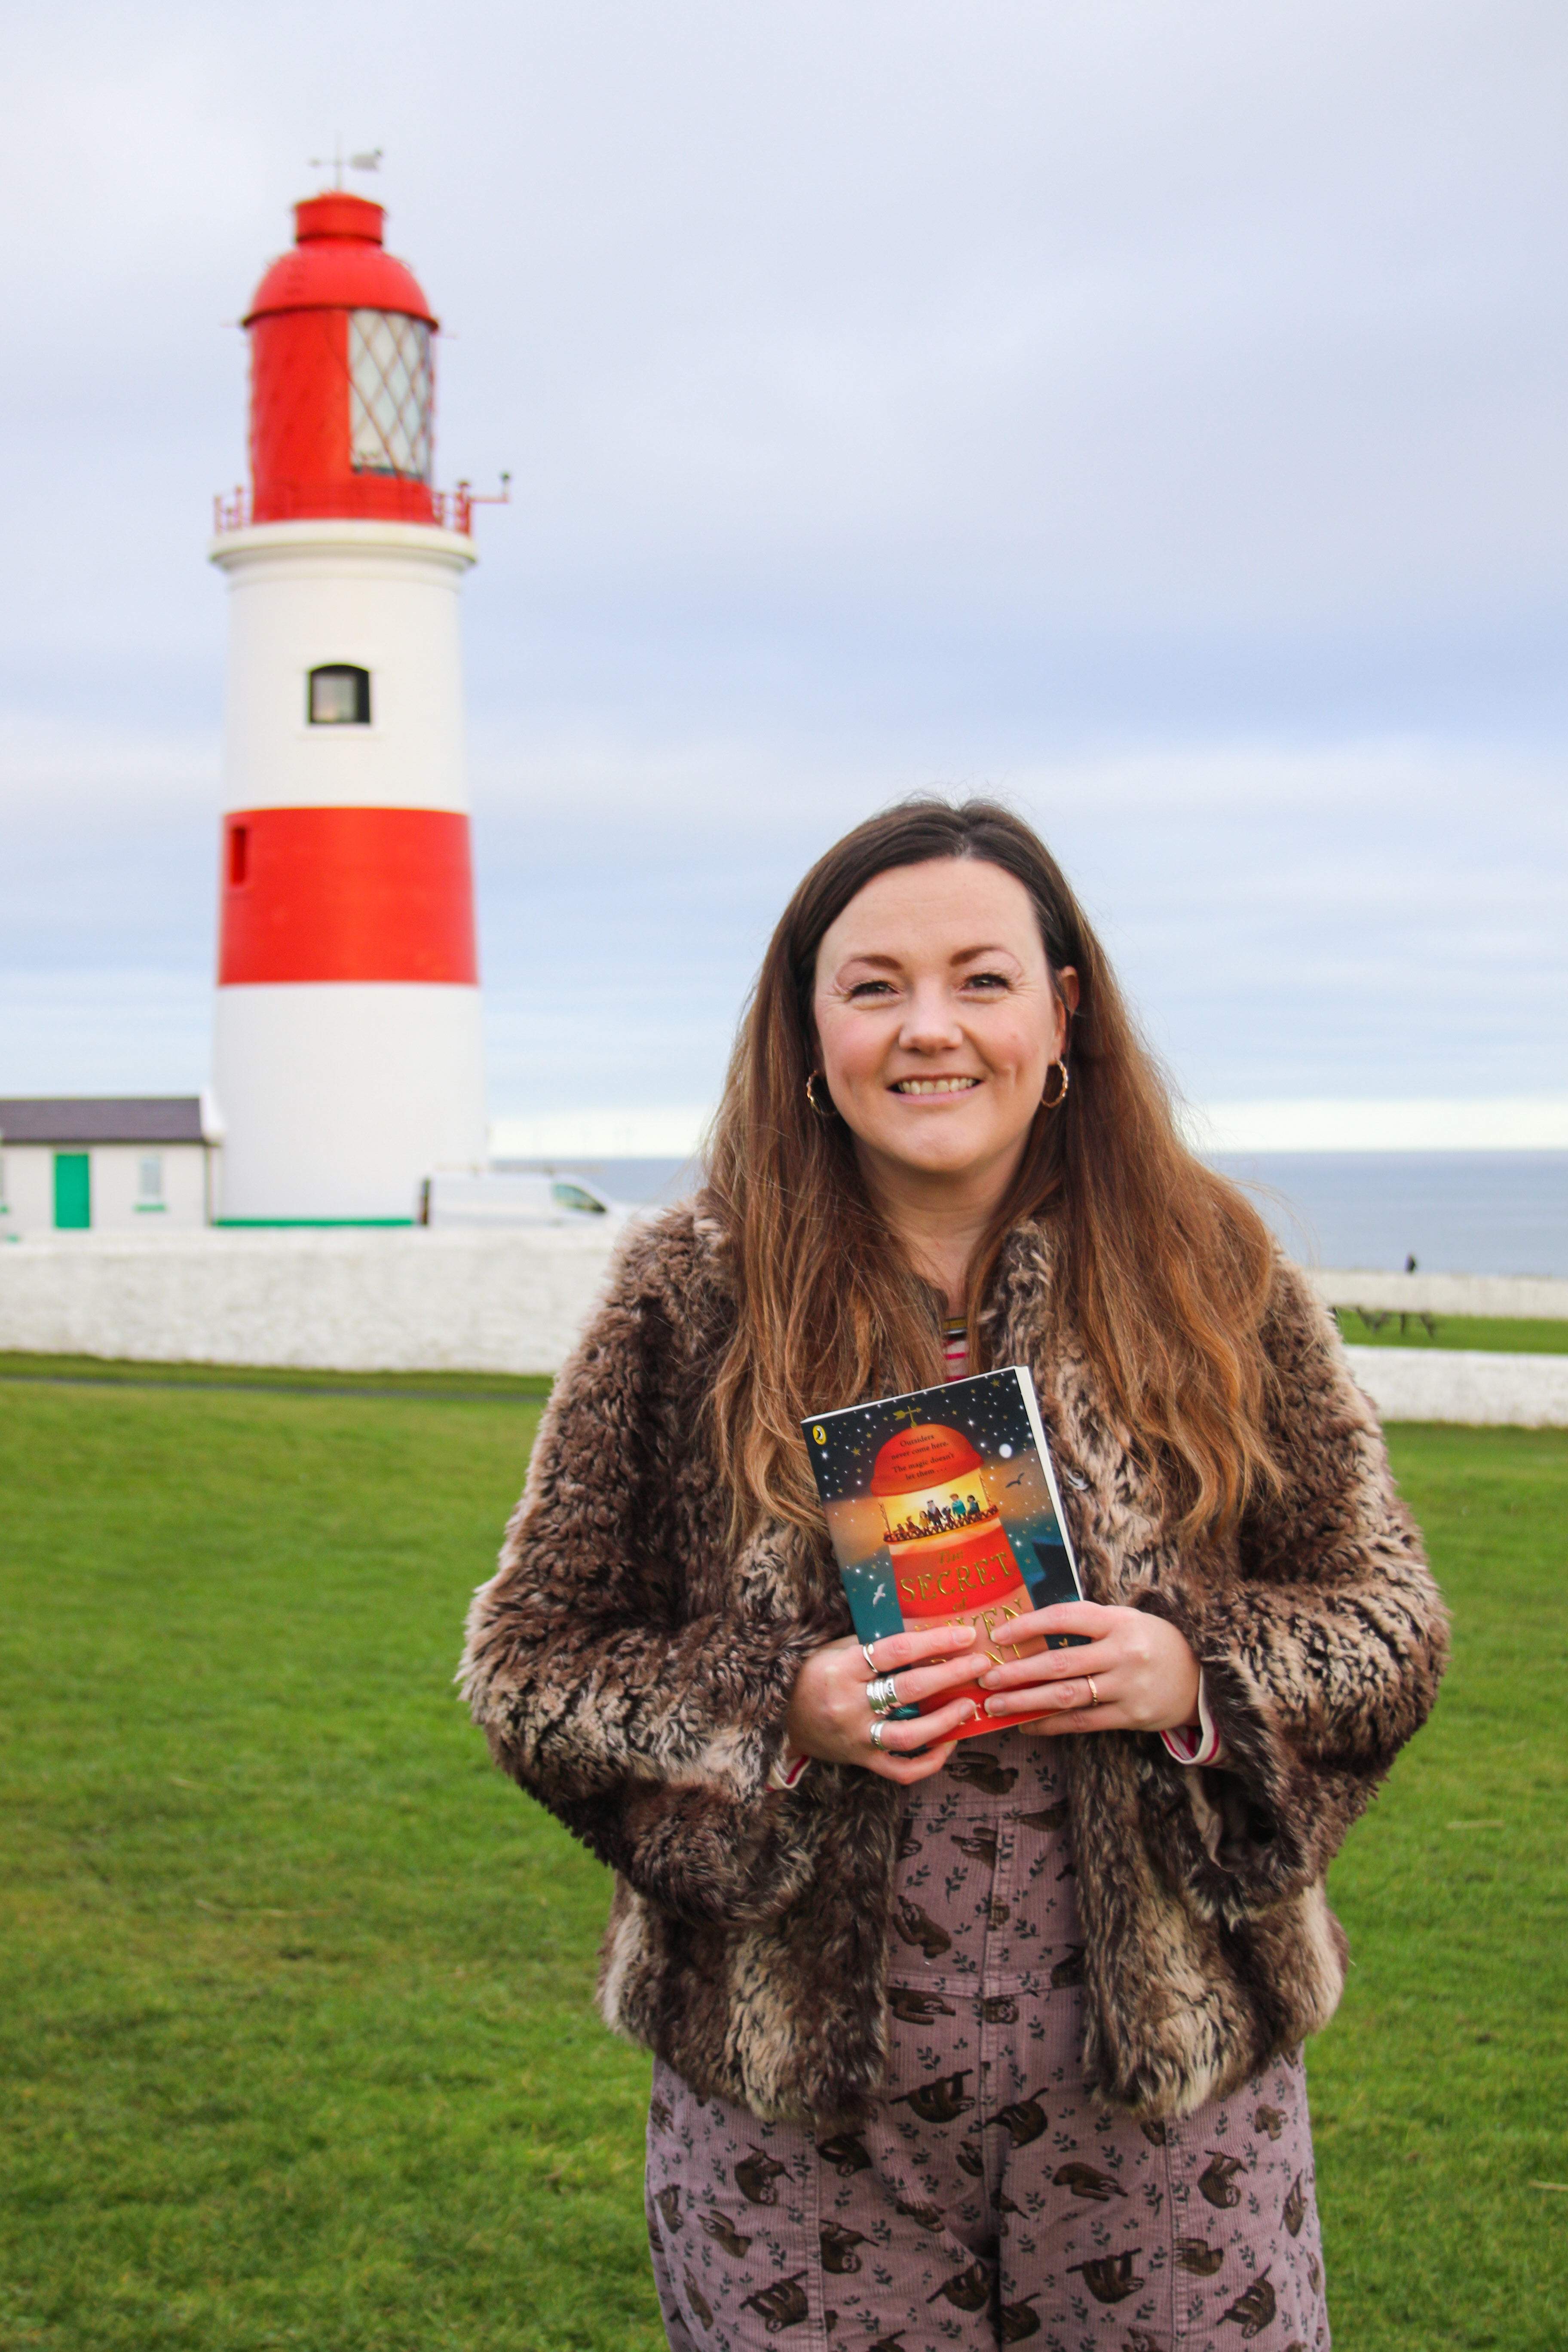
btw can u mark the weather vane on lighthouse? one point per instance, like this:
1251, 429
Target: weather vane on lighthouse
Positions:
347, 1062
369, 161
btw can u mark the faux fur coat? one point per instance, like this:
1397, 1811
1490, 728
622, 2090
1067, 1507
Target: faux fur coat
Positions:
633, 1673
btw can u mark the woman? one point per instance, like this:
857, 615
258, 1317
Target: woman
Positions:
961, 2043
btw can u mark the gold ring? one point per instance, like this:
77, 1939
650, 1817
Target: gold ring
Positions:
1093, 1694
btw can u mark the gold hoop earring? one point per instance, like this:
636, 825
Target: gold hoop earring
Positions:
1054, 1102
831, 1112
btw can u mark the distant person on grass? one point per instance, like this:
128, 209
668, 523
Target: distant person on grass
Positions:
961, 2043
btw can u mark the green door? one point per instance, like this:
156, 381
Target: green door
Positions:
73, 1190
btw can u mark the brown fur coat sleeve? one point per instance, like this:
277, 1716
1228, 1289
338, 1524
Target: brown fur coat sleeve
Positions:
644, 1704
1323, 1645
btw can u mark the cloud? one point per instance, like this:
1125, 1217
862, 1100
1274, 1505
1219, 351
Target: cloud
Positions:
1154, 414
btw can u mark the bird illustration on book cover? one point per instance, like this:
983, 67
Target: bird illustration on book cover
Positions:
944, 1507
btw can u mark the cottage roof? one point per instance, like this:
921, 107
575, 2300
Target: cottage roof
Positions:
101, 1118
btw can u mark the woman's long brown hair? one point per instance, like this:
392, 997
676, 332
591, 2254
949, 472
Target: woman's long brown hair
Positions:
1164, 1268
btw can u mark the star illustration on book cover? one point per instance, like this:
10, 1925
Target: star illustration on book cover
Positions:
943, 1505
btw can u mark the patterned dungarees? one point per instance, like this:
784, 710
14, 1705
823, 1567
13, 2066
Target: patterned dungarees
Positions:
987, 2202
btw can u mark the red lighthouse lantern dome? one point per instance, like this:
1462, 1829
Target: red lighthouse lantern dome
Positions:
342, 374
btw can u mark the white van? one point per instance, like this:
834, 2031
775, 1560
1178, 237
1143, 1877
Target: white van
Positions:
493, 1200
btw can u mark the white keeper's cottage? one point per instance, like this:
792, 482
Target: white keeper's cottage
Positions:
113, 1163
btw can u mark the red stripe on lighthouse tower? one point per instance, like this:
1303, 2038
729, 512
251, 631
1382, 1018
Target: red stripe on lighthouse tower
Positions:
344, 894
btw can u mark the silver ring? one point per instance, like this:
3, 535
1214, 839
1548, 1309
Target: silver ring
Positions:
1093, 1694
882, 1695
876, 1736
866, 1653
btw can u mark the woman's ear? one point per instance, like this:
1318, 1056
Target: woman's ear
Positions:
1067, 995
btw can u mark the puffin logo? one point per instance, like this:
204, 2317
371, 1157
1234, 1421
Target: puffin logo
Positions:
819, 1435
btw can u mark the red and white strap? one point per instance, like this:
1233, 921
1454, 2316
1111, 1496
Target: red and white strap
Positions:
1198, 1745
787, 1768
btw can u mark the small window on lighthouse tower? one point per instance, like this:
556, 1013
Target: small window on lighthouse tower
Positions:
390, 394
339, 695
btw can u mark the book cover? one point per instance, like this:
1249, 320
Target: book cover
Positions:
944, 1507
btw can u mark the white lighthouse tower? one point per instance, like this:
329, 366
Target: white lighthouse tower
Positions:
346, 1057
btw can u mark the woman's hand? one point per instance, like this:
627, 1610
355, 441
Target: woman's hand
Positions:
829, 1719
1145, 1678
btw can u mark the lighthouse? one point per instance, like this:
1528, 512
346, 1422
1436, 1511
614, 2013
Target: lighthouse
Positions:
346, 1065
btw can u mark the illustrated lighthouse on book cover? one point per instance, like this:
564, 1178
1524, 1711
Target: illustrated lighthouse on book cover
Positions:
944, 1507
347, 1062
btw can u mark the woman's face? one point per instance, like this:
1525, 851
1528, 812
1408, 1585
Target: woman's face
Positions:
936, 1020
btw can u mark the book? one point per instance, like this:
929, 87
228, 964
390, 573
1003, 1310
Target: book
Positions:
944, 1507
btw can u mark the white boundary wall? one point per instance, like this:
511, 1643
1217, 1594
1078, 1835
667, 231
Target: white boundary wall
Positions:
348, 1300
412, 1300
1464, 1384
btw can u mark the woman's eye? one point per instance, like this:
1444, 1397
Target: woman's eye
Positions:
986, 980
863, 988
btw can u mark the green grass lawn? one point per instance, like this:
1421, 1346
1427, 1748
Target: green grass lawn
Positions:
1440, 2092
1497, 1334
296, 2043
116, 1372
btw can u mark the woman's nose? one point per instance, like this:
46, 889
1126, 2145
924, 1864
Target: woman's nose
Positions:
930, 1022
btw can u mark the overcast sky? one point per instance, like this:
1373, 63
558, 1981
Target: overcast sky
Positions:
1152, 414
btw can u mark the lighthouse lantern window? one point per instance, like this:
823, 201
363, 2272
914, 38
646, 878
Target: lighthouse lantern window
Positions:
339, 695
390, 394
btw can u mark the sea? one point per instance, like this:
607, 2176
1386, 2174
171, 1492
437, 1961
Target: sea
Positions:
1450, 1212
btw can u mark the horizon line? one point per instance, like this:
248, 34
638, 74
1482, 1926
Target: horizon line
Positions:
1264, 1124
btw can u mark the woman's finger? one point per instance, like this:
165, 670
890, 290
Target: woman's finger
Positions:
1053, 1666
1083, 1718
908, 1770
891, 1651
1088, 1617
897, 1738
911, 1683
1055, 1698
